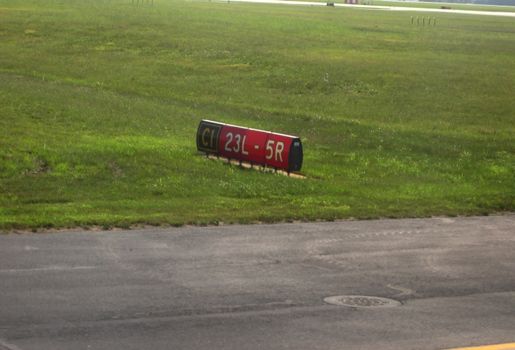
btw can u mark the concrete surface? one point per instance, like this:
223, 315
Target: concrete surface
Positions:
378, 7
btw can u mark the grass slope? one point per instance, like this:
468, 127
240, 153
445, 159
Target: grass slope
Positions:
100, 100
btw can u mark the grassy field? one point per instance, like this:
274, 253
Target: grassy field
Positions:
100, 101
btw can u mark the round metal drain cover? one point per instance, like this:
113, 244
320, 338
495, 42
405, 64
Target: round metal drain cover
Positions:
361, 301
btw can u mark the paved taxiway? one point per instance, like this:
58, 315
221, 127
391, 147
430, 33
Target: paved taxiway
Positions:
261, 286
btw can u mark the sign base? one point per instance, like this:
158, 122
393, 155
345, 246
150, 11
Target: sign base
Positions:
247, 165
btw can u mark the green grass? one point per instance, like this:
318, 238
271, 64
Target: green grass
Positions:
100, 101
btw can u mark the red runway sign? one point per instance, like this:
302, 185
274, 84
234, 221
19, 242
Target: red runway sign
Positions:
250, 145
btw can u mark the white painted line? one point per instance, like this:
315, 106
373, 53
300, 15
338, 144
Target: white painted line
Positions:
376, 7
280, 2
49, 268
446, 3
434, 10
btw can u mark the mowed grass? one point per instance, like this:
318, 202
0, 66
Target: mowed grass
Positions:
100, 101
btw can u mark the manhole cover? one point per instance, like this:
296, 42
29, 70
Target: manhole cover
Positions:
361, 301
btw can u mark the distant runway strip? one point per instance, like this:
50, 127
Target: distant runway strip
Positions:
385, 8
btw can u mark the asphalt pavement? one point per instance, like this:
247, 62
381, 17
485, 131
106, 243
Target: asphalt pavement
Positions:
443, 283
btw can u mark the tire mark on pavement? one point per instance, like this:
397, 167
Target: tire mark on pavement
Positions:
318, 249
6, 346
49, 268
403, 291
